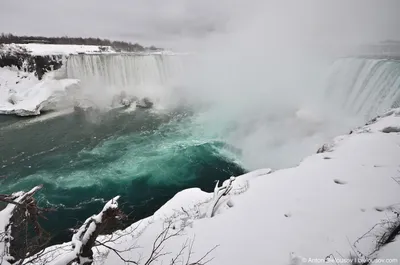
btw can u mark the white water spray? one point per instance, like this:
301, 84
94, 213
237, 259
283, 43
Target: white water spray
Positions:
274, 112
278, 111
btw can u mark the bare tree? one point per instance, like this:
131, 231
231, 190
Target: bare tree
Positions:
17, 248
117, 45
219, 192
84, 239
158, 249
22, 235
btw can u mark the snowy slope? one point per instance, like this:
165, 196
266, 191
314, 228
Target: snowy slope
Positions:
337, 203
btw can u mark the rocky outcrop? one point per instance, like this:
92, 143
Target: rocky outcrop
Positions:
23, 60
44, 64
125, 100
22, 94
144, 103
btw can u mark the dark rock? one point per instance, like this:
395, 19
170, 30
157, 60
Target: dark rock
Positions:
26, 62
144, 103
340, 182
123, 99
322, 149
379, 208
12, 100
372, 121
44, 64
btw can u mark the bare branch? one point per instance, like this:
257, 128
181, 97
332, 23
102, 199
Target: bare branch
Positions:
219, 192
117, 252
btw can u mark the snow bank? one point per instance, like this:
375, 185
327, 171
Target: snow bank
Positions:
24, 95
36, 49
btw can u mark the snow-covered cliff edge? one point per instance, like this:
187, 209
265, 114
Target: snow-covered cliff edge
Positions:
34, 76
28, 79
43, 58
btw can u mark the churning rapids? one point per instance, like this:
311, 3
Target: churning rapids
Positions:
189, 138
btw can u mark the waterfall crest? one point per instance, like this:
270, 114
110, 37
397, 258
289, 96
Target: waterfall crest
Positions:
103, 76
361, 87
364, 87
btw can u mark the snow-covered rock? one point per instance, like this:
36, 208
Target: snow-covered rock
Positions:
43, 58
23, 94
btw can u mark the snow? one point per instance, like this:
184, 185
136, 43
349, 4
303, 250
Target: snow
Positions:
57, 49
24, 95
391, 251
5, 216
329, 207
37, 49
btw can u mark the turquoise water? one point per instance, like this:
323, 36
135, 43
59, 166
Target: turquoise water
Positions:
84, 160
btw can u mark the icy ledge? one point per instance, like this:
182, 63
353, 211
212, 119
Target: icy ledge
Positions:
336, 204
23, 94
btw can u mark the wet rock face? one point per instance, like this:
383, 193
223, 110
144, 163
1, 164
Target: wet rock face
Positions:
28, 63
16, 58
44, 64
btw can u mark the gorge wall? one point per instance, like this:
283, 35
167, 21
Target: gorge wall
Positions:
25, 61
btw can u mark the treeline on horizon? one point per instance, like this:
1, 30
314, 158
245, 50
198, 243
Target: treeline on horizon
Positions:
8, 38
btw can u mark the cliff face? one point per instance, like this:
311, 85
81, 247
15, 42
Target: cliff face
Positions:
25, 61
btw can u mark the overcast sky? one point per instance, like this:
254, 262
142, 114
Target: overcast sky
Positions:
174, 22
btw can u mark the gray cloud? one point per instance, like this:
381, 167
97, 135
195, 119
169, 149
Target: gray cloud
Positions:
138, 20
176, 22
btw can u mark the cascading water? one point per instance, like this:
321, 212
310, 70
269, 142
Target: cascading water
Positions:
365, 87
103, 76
